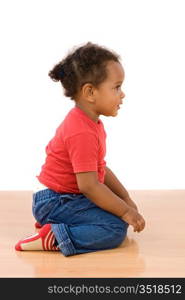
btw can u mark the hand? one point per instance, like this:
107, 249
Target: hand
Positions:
132, 217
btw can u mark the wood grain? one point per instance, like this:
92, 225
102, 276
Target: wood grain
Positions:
158, 251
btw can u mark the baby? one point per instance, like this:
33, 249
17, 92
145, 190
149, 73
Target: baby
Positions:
82, 206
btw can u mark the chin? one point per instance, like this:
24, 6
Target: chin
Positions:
111, 114
115, 114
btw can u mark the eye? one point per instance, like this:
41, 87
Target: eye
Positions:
117, 87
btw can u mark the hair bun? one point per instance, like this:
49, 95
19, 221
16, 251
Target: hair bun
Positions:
57, 73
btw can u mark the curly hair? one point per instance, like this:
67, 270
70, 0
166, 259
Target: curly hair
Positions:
86, 64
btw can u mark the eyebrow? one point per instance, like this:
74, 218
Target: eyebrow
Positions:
118, 81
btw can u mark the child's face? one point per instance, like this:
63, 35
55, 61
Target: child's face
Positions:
108, 96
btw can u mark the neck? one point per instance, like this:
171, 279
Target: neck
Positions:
91, 114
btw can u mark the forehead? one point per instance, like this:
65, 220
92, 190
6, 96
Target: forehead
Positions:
115, 71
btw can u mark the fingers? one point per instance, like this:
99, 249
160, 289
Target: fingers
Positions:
139, 225
132, 217
136, 227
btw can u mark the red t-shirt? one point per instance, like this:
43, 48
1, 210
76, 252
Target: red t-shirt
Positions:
78, 146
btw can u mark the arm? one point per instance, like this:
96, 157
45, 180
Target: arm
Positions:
100, 194
116, 187
104, 198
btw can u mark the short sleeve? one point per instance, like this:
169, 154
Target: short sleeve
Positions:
83, 152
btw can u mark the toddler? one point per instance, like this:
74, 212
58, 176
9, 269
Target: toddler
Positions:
81, 205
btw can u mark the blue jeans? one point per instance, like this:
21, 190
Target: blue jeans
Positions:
78, 224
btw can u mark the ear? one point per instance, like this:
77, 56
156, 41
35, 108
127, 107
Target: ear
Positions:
88, 92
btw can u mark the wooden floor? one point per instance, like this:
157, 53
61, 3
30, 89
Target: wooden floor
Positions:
158, 251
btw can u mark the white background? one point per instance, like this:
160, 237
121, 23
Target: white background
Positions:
145, 143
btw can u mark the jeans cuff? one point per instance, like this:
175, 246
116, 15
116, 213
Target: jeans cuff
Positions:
64, 242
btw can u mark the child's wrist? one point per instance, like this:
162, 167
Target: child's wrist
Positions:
131, 203
127, 209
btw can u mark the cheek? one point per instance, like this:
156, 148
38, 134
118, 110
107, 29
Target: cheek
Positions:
107, 100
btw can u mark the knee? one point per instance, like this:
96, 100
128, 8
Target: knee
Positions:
119, 233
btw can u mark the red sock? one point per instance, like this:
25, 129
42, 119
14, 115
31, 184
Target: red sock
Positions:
38, 225
43, 240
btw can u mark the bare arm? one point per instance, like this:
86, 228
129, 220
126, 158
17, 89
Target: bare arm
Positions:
103, 197
100, 194
116, 187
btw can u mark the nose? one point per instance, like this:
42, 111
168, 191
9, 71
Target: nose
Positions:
122, 96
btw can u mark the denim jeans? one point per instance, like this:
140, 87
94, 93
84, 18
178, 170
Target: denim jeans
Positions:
78, 224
